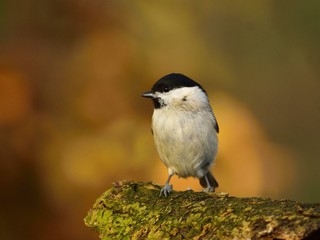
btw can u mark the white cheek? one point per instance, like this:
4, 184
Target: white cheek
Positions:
164, 98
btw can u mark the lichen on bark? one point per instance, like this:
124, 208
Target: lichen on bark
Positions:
134, 210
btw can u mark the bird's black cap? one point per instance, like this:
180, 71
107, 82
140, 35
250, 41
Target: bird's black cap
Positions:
172, 81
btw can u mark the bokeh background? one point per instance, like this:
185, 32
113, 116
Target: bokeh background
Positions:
72, 120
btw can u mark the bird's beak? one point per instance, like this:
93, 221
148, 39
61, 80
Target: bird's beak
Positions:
148, 95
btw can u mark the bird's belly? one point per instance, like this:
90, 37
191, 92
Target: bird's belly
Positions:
186, 145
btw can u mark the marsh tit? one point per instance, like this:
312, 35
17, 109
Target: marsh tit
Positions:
184, 129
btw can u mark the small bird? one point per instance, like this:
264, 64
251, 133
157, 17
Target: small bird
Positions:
184, 129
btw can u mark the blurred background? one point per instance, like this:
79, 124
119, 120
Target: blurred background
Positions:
72, 120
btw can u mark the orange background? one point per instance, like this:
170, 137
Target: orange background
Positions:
72, 120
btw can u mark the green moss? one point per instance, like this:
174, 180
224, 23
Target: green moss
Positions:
134, 210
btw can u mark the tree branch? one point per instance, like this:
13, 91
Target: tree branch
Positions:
135, 210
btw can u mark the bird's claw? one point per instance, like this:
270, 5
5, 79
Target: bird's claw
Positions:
166, 189
209, 189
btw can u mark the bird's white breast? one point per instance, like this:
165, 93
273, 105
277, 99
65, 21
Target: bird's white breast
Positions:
186, 140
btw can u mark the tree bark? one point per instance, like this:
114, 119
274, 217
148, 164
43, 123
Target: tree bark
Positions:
134, 210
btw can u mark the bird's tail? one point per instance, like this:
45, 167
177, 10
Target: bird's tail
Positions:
210, 179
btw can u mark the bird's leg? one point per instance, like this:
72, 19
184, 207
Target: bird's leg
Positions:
167, 188
209, 188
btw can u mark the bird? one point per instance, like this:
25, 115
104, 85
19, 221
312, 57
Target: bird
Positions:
185, 129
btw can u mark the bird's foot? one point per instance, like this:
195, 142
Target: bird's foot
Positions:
209, 189
166, 189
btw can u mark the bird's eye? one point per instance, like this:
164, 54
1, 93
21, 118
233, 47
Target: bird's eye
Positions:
162, 87
166, 89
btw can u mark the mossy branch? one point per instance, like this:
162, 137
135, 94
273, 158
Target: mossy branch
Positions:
134, 210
